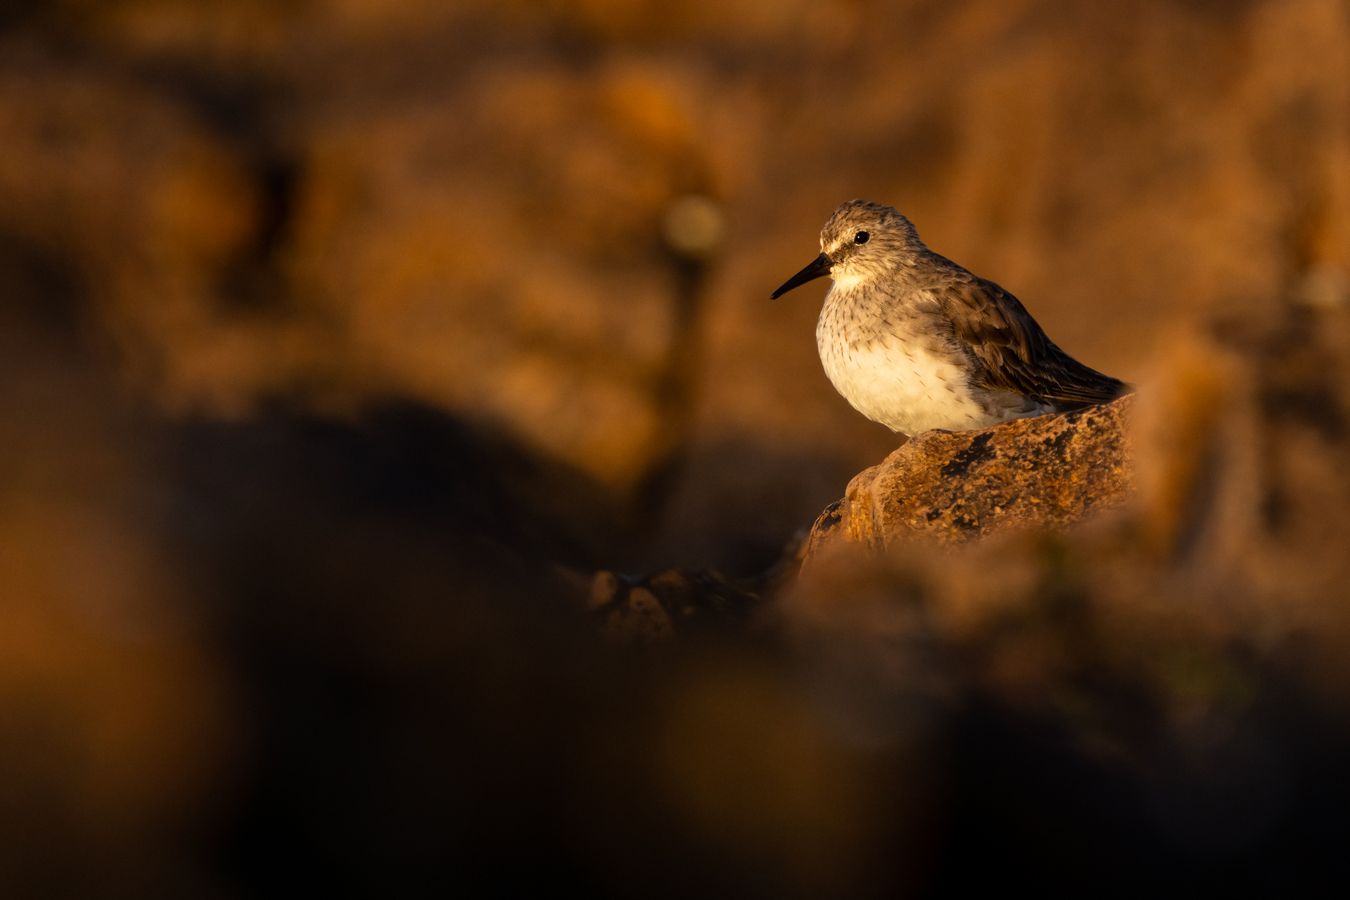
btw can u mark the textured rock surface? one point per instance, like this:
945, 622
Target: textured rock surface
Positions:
1049, 470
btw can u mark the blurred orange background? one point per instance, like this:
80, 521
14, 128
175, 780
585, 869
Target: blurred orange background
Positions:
333, 328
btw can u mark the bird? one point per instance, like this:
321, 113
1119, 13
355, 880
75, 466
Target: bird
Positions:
917, 343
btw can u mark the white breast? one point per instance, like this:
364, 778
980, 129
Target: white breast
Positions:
889, 364
905, 388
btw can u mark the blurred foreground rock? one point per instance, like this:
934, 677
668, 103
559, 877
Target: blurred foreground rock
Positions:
953, 486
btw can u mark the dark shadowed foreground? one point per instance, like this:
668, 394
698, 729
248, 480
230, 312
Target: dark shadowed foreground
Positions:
300, 651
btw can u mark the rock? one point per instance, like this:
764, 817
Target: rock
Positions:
639, 619
604, 588
954, 486
669, 604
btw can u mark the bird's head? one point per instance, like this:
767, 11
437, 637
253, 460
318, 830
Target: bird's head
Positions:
861, 241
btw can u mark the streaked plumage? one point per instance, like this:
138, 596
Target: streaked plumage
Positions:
914, 341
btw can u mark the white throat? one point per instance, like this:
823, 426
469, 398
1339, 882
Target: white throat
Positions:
847, 281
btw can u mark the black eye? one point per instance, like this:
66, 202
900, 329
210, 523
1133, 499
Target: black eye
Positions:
861, 237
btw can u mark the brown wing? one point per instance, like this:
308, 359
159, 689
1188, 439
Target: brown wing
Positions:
1013, 353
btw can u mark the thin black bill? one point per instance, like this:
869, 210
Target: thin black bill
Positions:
814, 269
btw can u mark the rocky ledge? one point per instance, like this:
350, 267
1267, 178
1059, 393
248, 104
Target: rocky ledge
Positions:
954, 486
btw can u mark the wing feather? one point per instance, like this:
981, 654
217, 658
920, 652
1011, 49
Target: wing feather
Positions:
1012, 353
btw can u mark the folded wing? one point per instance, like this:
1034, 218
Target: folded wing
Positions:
1012, 353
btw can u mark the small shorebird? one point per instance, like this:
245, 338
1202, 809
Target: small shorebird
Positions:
916, 342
